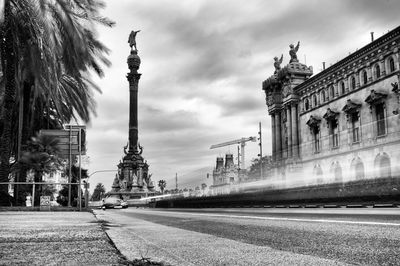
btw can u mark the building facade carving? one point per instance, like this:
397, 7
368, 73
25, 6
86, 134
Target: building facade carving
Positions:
341, 124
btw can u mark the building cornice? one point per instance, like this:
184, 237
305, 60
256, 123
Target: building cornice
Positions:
327, 75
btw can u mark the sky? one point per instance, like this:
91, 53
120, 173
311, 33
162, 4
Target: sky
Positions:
203, 63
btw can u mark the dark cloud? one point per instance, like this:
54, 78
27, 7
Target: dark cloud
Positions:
241, 105
153, 119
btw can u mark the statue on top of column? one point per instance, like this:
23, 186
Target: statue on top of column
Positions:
132, 39
277, 64
293, 52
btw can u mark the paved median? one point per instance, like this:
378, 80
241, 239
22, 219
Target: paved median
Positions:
54, 238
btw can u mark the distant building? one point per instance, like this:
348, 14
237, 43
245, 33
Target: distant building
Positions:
342, 124
226, 174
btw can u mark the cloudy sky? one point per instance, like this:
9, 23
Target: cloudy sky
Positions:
203, 62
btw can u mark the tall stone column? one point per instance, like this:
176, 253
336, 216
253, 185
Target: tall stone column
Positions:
295, 128
132, 179
278, 135
290, 134
133, 78
273, 136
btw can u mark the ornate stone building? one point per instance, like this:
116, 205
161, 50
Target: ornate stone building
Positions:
225, 175
340, 125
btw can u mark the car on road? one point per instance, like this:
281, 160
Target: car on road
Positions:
114, 202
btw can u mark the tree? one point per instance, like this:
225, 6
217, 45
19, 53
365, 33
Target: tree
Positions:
162, 184
254, 171
41, 157
48, 190
203, 186
46, 50
99, 190
62, 198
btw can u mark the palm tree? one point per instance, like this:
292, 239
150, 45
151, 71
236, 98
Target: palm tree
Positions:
40, 157
162, 184
46, 49
98, 191
63, 198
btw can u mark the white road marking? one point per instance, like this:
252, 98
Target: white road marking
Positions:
281, 218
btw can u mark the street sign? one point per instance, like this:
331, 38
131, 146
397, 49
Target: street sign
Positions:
69, 142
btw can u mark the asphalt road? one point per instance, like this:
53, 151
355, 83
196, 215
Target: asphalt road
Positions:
260, 236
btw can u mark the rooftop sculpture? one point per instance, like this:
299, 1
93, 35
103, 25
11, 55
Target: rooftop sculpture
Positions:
277, 64
293, 52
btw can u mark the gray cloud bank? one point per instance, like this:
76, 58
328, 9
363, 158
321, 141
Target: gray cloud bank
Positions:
203, 63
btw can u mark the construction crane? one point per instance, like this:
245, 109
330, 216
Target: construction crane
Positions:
242, 143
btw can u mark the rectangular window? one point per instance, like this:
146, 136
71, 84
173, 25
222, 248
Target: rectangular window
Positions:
380, 119
316, 140
334, 133
355, 127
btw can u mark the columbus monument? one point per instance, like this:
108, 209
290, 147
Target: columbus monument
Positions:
133, 180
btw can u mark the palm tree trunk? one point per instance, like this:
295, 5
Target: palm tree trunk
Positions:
19, 143
23, 134
8, 58
37, 190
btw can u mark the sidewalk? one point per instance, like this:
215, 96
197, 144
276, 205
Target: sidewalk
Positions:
54, 238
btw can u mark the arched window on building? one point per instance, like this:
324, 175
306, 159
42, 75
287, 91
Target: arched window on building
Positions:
358, 169
306, 104
336, 172
377, 71
315, 102
331, 92
318, 174
382, 166
342, 88
353, 83
364, 77
392, 66
323, 98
